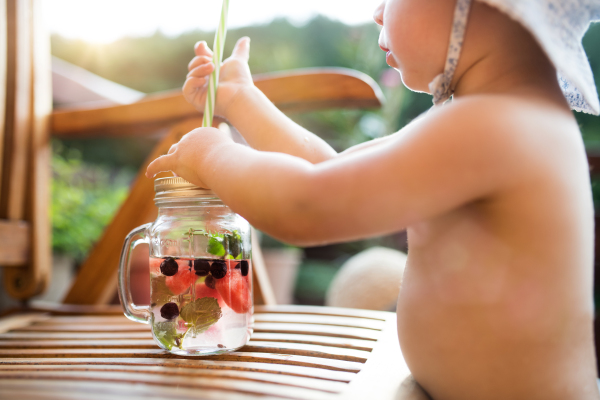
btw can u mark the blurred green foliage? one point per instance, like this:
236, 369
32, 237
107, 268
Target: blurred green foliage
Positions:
590, 124
84, 199
313, 280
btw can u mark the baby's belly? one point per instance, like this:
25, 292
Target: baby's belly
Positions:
487, 334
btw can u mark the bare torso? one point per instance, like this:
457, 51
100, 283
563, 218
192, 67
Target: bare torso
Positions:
496, 300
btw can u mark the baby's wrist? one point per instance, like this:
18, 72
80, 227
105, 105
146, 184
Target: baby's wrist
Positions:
238, 103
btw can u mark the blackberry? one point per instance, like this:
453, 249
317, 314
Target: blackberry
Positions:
244, 267
169, 267
210, 282
169, 311
218, 269
202, 267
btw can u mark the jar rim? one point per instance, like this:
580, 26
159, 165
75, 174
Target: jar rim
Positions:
175, 187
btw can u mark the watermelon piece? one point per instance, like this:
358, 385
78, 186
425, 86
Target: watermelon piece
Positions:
182, 280
155, 265
235, 288
204, 291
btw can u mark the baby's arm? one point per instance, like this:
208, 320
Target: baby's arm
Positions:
266, 128
262, 124
382, 141
433, 167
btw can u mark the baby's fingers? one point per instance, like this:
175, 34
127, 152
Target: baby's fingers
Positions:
201, 49
192, 84
198, 61
201, 71
241, 50
161, 164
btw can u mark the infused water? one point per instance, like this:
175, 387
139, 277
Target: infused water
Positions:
201, 305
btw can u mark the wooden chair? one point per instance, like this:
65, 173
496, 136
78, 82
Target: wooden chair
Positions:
85, 349
24, 149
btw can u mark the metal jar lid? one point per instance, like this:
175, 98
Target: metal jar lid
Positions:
178, 188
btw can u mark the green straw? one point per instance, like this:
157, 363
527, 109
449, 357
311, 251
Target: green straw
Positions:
209, 109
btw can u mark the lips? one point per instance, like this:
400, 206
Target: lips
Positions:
388, 54
388, 59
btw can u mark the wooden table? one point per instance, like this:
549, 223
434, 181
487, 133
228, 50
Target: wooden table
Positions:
296, 352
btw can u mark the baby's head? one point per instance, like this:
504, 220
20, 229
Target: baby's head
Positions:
546, 33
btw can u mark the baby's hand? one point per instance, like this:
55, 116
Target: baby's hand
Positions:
234, 76
186, 157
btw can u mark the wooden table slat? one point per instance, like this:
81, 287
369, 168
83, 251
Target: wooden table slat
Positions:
311, 329
282, 369
45, 348
325, 363
88, 320
83, 328
263, 318
318, 310
174, 382
28, 393
74, 335
147, 343
301, 312
166, 374
46, 388
20, 320
318, 330
356, 344
312, 350
85, 310
319, 320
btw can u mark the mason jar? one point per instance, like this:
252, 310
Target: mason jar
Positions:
200, 272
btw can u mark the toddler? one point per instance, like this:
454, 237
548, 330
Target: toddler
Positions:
492, 187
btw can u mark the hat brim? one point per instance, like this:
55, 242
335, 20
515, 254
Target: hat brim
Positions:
559, 30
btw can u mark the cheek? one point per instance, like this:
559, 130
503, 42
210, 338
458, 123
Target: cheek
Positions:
411, 56
418, 37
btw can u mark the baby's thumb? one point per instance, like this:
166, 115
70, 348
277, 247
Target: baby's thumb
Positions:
242, 49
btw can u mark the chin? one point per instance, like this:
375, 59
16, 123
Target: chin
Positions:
414, 83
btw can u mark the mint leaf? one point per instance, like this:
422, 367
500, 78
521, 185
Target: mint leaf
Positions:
220, 244
166, 334
234, 242
201, 314
215, 246
160, 292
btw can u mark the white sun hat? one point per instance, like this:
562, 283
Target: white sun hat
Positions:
557, 25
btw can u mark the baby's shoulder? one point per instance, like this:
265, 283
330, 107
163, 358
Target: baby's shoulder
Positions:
507, 115
508, 123
508, 139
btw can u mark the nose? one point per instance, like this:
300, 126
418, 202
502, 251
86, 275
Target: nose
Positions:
378, 14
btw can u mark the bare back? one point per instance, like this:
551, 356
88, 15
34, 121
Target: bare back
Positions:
496, 301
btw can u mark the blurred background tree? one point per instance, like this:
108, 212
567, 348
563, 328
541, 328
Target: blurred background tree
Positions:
158, 62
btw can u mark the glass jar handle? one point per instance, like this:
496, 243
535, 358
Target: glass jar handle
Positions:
135, 313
